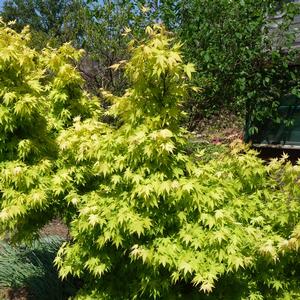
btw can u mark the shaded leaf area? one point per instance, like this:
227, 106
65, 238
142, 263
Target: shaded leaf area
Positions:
243, 55
31, 267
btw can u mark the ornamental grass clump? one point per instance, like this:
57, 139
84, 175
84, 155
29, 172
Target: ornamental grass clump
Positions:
31, 268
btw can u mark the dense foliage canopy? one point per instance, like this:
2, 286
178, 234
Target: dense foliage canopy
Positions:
40, 94
146, 220
51, 21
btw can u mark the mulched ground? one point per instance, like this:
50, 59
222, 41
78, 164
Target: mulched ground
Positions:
13, 294
55, 227
226, 127
222, 128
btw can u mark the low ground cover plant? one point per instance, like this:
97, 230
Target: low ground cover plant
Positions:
31, 268
147, 219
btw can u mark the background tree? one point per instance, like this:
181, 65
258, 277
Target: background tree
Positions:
51, 21
97, 26
240, 63
109, 27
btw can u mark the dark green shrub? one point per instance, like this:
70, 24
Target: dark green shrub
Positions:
242, 63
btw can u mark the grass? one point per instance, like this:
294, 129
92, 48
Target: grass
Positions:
31, 267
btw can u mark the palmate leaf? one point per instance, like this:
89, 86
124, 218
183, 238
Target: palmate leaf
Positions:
189, 69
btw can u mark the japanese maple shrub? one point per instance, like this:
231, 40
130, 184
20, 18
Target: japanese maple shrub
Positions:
147, 220
40, 94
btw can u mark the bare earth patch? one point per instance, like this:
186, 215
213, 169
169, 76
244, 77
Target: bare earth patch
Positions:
220, 129
13, 294
55, 227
